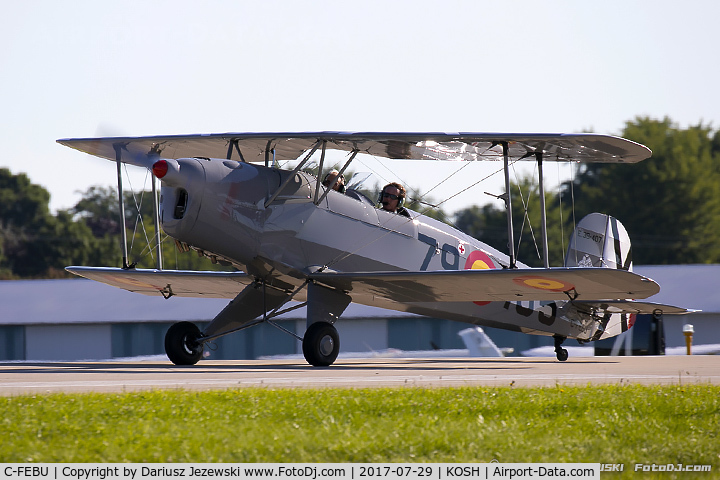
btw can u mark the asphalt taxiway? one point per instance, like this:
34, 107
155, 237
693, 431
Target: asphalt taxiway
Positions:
40, 378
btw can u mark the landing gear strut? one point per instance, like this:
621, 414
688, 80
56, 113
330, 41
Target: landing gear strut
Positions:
181, 344
321, 344
561, 353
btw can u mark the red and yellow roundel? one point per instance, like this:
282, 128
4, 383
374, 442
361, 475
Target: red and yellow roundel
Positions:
542, 283
479, 260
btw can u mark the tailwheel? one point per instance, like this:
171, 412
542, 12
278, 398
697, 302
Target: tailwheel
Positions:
181, 344
321, 344
561, 353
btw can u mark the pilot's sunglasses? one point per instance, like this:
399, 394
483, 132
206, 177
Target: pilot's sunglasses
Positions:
390, 195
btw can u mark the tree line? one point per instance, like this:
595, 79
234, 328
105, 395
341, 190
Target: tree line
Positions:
34, 243
669, 203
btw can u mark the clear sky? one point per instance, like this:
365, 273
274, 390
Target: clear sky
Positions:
90, 68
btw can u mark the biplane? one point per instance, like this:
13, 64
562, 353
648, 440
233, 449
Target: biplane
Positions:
291, 238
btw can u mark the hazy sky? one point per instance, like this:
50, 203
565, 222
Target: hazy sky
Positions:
89, 68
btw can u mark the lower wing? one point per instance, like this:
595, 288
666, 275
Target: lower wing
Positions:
588, 287
169, 282
493, 285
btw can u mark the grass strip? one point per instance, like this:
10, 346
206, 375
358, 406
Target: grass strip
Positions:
607, 424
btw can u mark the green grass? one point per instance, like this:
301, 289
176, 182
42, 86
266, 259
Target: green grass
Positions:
606, 424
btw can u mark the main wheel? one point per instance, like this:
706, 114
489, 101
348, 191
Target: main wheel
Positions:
562, 354
181, 345
321, 344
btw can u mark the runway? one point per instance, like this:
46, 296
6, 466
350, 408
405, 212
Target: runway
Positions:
41, 378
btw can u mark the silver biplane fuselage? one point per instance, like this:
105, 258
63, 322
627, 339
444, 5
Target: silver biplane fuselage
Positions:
295, 239
219, 207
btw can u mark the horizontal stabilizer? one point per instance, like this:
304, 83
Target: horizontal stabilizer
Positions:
168, 282
631, 306
493, 285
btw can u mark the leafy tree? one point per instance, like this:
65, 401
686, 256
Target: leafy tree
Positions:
24, 213
23, 205
34, 243
60, 242
99, 208
669, 203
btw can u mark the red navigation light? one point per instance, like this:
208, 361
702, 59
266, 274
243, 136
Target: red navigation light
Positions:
160, 168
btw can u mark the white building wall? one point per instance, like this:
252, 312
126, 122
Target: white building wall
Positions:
68, 342
706, 326
362, 335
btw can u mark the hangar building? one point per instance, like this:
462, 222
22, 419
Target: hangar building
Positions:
76, 319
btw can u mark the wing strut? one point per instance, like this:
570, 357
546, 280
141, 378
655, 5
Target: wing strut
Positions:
543, 213
330, 187
508, 203
118, 147
234, 143
320, 170
267, 153
118, 159
156, 215
292, 174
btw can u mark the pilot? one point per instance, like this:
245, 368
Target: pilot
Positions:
392, 199
339, 185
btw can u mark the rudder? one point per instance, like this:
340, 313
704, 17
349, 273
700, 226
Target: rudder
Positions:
600, 240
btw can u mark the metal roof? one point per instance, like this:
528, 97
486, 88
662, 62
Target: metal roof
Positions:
690, 286
28, 302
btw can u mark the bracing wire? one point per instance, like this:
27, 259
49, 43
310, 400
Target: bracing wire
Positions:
526, 216
138, 216
474, 184
148, 249
469, 187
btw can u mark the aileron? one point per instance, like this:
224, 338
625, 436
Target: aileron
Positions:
168, 282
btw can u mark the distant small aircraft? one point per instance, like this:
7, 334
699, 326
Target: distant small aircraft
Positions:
293, 238
477, 344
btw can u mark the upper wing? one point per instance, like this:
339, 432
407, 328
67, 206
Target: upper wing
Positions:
169, 282
493, 285
258, 147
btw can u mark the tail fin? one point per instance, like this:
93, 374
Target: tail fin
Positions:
478, 343
599, 240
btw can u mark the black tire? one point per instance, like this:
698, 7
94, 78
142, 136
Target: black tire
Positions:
181, 345
562, 355
321, 344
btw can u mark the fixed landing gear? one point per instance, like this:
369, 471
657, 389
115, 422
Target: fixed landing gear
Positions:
321, 344
561, 353
181, 344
